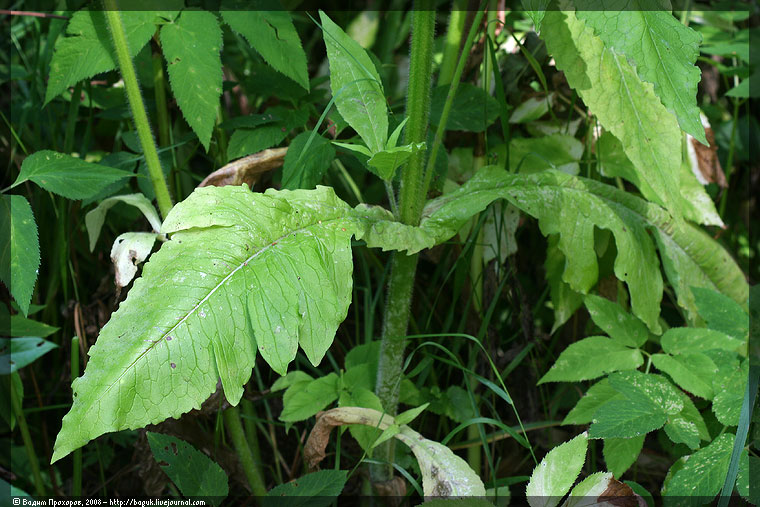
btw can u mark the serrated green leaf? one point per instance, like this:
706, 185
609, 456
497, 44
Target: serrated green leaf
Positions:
702, 474
721, 312
95, 218
587, 492
356, 86
621, 453
536, 9
597, 395
556, 473
386, 161
693, 372
682, 340
21, 326
87, 49
68, 176
662, 49
747, 464
681, 431
242, 270
194, 473
729, 385
304, 169
16, 353
617, 323
304, 399
272, 34
691, 414
191, 46
649, 387
473, 110
20, 256
626, 418
590, 358
623, 104
317, 489
694, 200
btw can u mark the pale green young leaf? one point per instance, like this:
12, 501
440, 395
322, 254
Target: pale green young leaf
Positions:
590, 358
623, 104
533, 154
356, 86
662, 49
729, 385
87, 48
304, 399
693, 372
597, 395
16, 353
95, 218
393, 138
409, 415
358, 148
681, 431
587, 492
388, 433
194, 473
68, 176
242, 270
191, 46
317, 489
272, 34
293, 377
683, 340
721, 312
621, 453
617, 323
556, 473
702, 474
20, 255
386, 162
304, 169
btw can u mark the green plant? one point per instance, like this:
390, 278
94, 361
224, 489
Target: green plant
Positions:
242, 273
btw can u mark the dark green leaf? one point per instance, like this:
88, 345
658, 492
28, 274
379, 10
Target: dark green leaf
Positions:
21, 326
621, 453
20, 255
68, 176
304, 167
318, 489
620, 325
702, 474
194, 473
16, 353
721, 312
590, 358
597, 395
473, 110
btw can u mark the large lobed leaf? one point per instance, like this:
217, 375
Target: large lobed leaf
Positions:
662, 49
191, 46
623, 103
242, 271
571, 207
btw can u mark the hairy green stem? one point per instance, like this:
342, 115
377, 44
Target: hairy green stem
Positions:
411, 197
252, 472
76, 480
27, 439
140, 116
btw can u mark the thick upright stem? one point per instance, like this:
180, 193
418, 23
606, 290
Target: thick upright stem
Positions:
113, 16
252, 472
412, 196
